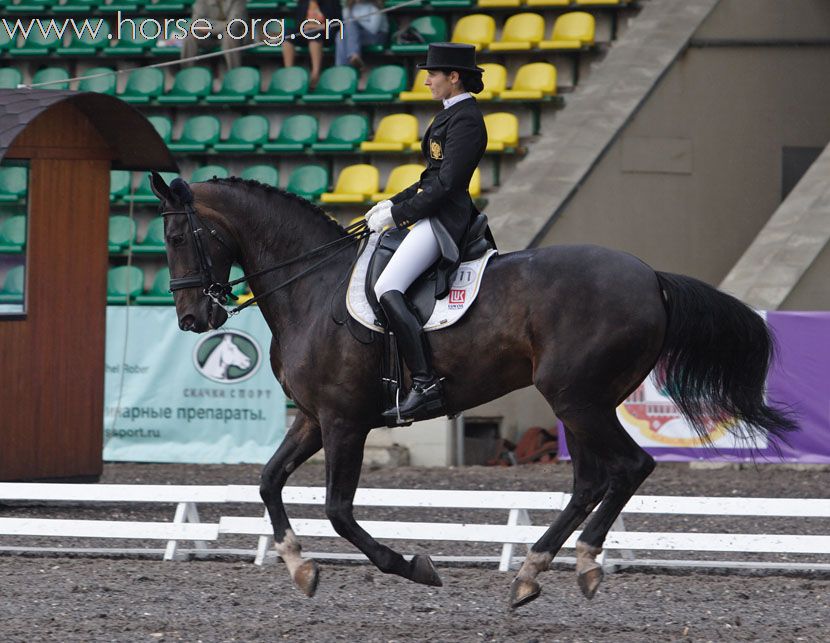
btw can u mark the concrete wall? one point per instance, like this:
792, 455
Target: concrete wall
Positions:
697, 172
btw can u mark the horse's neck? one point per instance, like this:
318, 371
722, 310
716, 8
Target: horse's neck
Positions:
270, 245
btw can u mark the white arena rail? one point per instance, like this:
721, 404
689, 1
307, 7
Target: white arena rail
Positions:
517, 530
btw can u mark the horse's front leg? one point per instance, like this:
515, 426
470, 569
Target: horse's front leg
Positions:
343, 444
301, 441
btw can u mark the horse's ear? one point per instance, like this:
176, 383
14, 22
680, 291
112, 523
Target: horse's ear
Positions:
181, 190
159, 187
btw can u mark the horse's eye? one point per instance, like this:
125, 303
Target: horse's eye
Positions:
176, 240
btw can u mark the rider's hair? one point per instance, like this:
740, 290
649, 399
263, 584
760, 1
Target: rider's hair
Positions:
471, 81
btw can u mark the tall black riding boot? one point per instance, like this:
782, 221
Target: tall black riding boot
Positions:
424, 398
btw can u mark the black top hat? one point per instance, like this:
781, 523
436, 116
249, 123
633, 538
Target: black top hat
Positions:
450, 56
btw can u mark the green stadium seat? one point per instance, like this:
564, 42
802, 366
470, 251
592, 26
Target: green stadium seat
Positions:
287, 83
207, 172
37, 44
163, 125
13, 234
153, 241
451, 4
335, 85
345, 134
57, 76
129, 44
121, 233
23, 7
87, 44
10, 78
265, 174
431, 28
238, 85
198, 134
124, 283
13, 184
143, 85
13, 286
124, 6
104, 84
143, 193
308, 181
164, 6
75, 7
383, 85
296, 133
7, 43
159, 293
189, 86
247, 133
119, 184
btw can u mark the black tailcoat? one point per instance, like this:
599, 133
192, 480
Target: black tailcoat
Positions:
452, 146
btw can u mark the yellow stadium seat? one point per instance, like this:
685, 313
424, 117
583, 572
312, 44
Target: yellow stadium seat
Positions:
499, 3
355, 184
419, 91
495, 81
475, 184
572, 30
533, 81
547, 3
588, 3
521, 32
502, 131
395, 133
477, 29
400, 178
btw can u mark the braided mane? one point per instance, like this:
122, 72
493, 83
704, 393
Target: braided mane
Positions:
271, 191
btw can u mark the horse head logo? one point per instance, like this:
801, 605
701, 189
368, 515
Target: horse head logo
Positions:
227, 357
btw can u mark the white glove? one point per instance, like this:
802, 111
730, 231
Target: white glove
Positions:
382, 217
375, 208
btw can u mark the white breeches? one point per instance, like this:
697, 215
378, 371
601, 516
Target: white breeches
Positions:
417, 252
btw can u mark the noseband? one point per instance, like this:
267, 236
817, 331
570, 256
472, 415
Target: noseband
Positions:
211, 287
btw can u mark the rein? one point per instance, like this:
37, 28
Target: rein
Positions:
219, 292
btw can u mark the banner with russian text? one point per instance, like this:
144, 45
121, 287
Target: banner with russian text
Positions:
799, 380
172, 396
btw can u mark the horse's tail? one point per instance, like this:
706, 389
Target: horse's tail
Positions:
715, 359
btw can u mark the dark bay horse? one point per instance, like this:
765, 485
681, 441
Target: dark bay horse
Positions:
583, 324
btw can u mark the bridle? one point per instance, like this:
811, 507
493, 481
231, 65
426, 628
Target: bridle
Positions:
220, 292
211, 287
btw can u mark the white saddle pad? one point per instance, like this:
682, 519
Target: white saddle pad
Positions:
463, 291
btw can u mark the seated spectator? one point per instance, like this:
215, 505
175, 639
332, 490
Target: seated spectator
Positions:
219, 13
363, 25
319, 10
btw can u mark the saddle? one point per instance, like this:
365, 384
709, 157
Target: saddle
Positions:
434, 283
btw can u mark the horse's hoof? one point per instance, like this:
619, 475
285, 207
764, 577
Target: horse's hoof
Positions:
421, 570
589, 581
522, 591
306, 577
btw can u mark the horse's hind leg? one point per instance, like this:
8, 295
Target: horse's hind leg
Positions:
301, 441
627, 466
343, 446
590, 484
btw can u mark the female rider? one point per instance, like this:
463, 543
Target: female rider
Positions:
438, 204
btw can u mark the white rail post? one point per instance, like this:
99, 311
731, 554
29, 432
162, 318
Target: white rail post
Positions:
515, 517
185, 512
263, 545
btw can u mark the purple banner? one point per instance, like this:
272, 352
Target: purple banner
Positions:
799, 379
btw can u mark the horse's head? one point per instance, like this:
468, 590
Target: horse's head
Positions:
197, 254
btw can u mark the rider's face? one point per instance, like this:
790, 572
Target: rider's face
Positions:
441, 84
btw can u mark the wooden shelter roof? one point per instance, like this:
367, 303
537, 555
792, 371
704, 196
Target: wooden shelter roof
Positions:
134, 141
